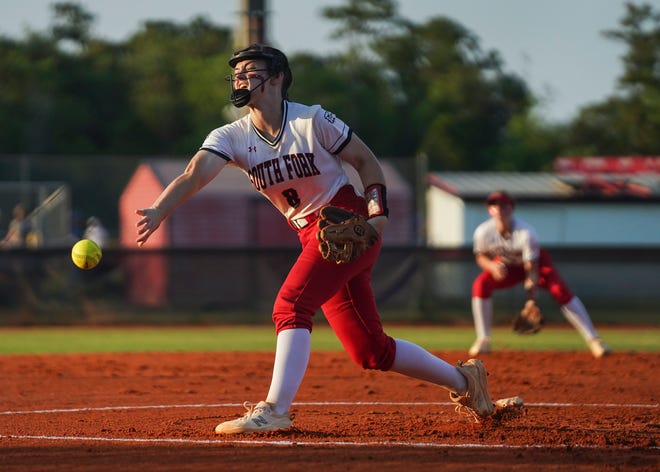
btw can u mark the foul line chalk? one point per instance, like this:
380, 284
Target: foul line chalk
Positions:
320, 444
310, 443
232, 405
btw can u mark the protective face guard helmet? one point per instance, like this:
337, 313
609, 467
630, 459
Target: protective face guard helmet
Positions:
276, 62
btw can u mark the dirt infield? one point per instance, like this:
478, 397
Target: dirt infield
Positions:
157, 412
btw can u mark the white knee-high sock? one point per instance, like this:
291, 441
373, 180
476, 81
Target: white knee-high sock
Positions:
291, 358
415, 361
576, 314
482, 312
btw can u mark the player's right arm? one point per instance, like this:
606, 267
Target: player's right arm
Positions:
201, 169
482, 253
496, 268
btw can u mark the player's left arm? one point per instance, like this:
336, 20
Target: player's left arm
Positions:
360, 156
530, 254
532, 279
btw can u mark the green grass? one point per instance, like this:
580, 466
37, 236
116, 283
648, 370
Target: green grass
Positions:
262, 338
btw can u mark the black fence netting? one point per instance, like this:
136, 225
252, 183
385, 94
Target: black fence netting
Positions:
411, 284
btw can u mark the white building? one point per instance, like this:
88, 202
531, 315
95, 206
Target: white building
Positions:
573, 209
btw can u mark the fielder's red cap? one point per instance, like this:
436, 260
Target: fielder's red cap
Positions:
500, 197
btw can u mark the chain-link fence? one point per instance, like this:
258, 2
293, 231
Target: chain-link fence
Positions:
411, 284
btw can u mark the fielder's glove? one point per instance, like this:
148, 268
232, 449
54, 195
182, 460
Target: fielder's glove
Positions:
343, 235
530, 319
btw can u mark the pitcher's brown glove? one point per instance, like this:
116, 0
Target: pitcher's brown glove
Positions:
343, 235
530, 319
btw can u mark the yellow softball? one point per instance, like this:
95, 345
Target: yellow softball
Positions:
86, 254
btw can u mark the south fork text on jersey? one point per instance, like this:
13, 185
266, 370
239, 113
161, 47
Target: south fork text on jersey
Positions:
296, 166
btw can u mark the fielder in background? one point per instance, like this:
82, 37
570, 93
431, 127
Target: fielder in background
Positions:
507, 249
292, 153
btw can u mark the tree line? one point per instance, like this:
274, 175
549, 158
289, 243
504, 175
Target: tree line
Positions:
406, 88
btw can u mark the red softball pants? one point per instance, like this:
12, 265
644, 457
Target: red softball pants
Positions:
342, 291
549, 279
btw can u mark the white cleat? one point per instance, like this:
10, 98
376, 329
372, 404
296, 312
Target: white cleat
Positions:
599, 348
259, 418
476, 401
510, 402
480, 346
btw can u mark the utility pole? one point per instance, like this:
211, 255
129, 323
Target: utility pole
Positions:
253, 23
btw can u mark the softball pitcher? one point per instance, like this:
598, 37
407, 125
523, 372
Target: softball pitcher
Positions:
292, 154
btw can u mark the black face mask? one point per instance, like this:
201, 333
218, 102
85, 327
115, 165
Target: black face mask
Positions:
241, 97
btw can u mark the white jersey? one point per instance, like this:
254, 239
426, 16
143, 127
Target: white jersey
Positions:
298, 171
521, 246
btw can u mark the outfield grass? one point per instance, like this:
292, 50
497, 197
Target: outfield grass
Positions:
261, 338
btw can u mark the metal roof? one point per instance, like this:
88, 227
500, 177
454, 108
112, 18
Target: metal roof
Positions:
539, 186
521, 185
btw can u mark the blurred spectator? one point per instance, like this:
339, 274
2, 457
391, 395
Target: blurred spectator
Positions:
96, 231
19, 228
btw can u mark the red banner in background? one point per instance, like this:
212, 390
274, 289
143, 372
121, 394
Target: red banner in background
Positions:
607, 165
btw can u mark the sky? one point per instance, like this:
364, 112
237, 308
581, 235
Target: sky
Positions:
556, 46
